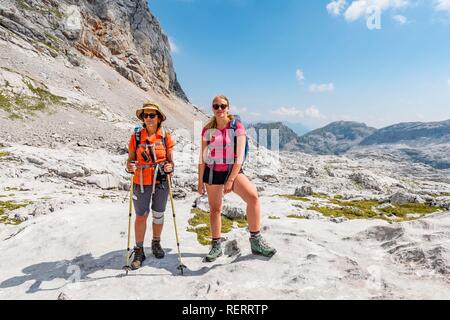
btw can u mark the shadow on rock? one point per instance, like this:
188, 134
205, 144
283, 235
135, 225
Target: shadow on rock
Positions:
82, 267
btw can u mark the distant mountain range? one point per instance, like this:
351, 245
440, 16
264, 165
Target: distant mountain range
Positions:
425, 142
335, 138
410, 131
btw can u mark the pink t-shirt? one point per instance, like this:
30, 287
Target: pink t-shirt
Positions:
216, 150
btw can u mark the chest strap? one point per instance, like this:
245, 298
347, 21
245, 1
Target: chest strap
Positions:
141, 167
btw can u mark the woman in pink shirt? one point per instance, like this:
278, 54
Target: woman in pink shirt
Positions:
220, 172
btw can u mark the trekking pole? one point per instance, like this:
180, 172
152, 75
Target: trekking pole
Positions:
127, 267
181, 266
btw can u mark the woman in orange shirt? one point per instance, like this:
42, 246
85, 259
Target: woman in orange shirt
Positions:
150, 158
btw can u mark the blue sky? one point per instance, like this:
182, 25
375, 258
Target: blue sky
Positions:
314, 61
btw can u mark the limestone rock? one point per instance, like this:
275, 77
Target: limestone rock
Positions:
104, 181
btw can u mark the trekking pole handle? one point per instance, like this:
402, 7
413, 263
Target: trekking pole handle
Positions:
134, 162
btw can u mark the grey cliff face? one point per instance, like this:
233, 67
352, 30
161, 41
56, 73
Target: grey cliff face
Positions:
122, 33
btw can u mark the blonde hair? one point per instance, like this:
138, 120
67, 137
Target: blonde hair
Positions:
212, 123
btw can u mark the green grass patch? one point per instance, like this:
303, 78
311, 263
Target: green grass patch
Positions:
319, 195
11, 189
295, 216
444, 194
5, 103
361, 204
15, 104
338, 197
292, 197
54, 12
201, 225
44, 94
348, 212
403, 210
51, 37
8, 206
23, 5
4, 154
274, 217
366, 209
241, 222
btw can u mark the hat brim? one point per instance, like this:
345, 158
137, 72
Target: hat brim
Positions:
140, 111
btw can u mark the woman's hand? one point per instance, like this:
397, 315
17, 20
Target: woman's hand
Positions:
228, 187
168, 167
201, 188
131, 166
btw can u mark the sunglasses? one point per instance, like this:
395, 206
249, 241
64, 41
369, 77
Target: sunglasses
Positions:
151, 115
221, 106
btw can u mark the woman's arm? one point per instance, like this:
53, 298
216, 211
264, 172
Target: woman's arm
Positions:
131, 166
201, 166
169, 165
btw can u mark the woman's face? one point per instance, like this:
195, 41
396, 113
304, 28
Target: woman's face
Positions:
151, 118
220, 108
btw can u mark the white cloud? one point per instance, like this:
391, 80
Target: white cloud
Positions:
359, 8
442, 5
324, 87
293, 112
400, 19
289, 112
173, 46
313, 112
336, 7
243, 112
300, 75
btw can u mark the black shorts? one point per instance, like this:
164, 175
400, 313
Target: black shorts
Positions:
219, 177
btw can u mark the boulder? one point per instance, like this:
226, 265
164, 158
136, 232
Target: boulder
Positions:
105, 181
303, 191
68, 172
268, 178
179, 193
312, 172
365, 180
233, 212
404, 198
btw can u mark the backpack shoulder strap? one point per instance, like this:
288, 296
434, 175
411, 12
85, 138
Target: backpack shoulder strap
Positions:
163, 130
137, 135
233, 124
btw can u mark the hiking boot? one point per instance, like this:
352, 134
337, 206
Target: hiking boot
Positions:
216, 251
157, 250
139, 257
259, 246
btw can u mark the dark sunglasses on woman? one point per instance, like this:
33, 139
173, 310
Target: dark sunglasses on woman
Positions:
221, 106
151, 115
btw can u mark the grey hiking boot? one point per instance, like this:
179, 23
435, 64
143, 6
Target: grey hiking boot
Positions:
259, 246
139, 257
157, 250
216, 251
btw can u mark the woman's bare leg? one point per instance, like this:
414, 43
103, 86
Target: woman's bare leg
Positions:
215, 193
157, 230
247, 191
140, 226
